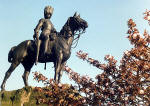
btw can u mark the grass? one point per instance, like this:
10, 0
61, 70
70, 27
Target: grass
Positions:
17, 97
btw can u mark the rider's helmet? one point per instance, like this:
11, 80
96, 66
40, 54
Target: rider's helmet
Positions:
48, 11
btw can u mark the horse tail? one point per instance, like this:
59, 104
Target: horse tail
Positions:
10, 54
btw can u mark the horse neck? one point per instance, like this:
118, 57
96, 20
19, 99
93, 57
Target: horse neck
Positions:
66, 30
67, 40
70, 40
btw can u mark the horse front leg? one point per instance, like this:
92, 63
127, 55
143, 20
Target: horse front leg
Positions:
57, 68
61, 71
57, 65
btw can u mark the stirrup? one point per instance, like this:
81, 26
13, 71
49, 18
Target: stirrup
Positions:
36, 61
45, 66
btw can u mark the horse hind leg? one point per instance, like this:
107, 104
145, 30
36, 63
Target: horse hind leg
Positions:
27, 66
8, 73
25, 77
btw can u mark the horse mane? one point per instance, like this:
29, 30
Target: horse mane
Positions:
64, 28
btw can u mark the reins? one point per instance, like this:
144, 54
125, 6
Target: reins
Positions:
76, 40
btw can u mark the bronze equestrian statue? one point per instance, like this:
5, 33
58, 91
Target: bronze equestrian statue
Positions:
48, 31
58, 50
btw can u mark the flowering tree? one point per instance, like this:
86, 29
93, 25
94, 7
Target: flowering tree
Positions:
126, 84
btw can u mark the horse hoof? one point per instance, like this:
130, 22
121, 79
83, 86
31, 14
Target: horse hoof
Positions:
36, 63
2, 88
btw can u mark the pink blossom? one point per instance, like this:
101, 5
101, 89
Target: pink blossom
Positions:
60, 85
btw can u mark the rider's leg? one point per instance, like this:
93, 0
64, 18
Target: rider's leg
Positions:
46, 46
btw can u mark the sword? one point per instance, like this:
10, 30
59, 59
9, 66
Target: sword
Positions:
37, 41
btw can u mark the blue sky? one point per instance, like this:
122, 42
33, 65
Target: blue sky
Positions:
106, 33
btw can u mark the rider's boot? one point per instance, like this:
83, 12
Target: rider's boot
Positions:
45, 48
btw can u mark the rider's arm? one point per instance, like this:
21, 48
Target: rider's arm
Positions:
53, 29
38, 27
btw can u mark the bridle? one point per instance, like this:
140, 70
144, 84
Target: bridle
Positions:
75, 41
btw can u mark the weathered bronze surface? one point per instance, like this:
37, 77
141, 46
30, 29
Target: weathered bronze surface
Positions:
58, 50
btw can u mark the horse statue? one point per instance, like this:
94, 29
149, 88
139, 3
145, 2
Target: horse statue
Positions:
60, 50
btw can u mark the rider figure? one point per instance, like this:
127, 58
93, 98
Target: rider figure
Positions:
47, 30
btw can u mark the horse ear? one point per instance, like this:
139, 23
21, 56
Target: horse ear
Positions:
75, 14
79, 15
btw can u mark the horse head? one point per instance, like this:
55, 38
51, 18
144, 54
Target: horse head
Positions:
73, 25
76, 23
